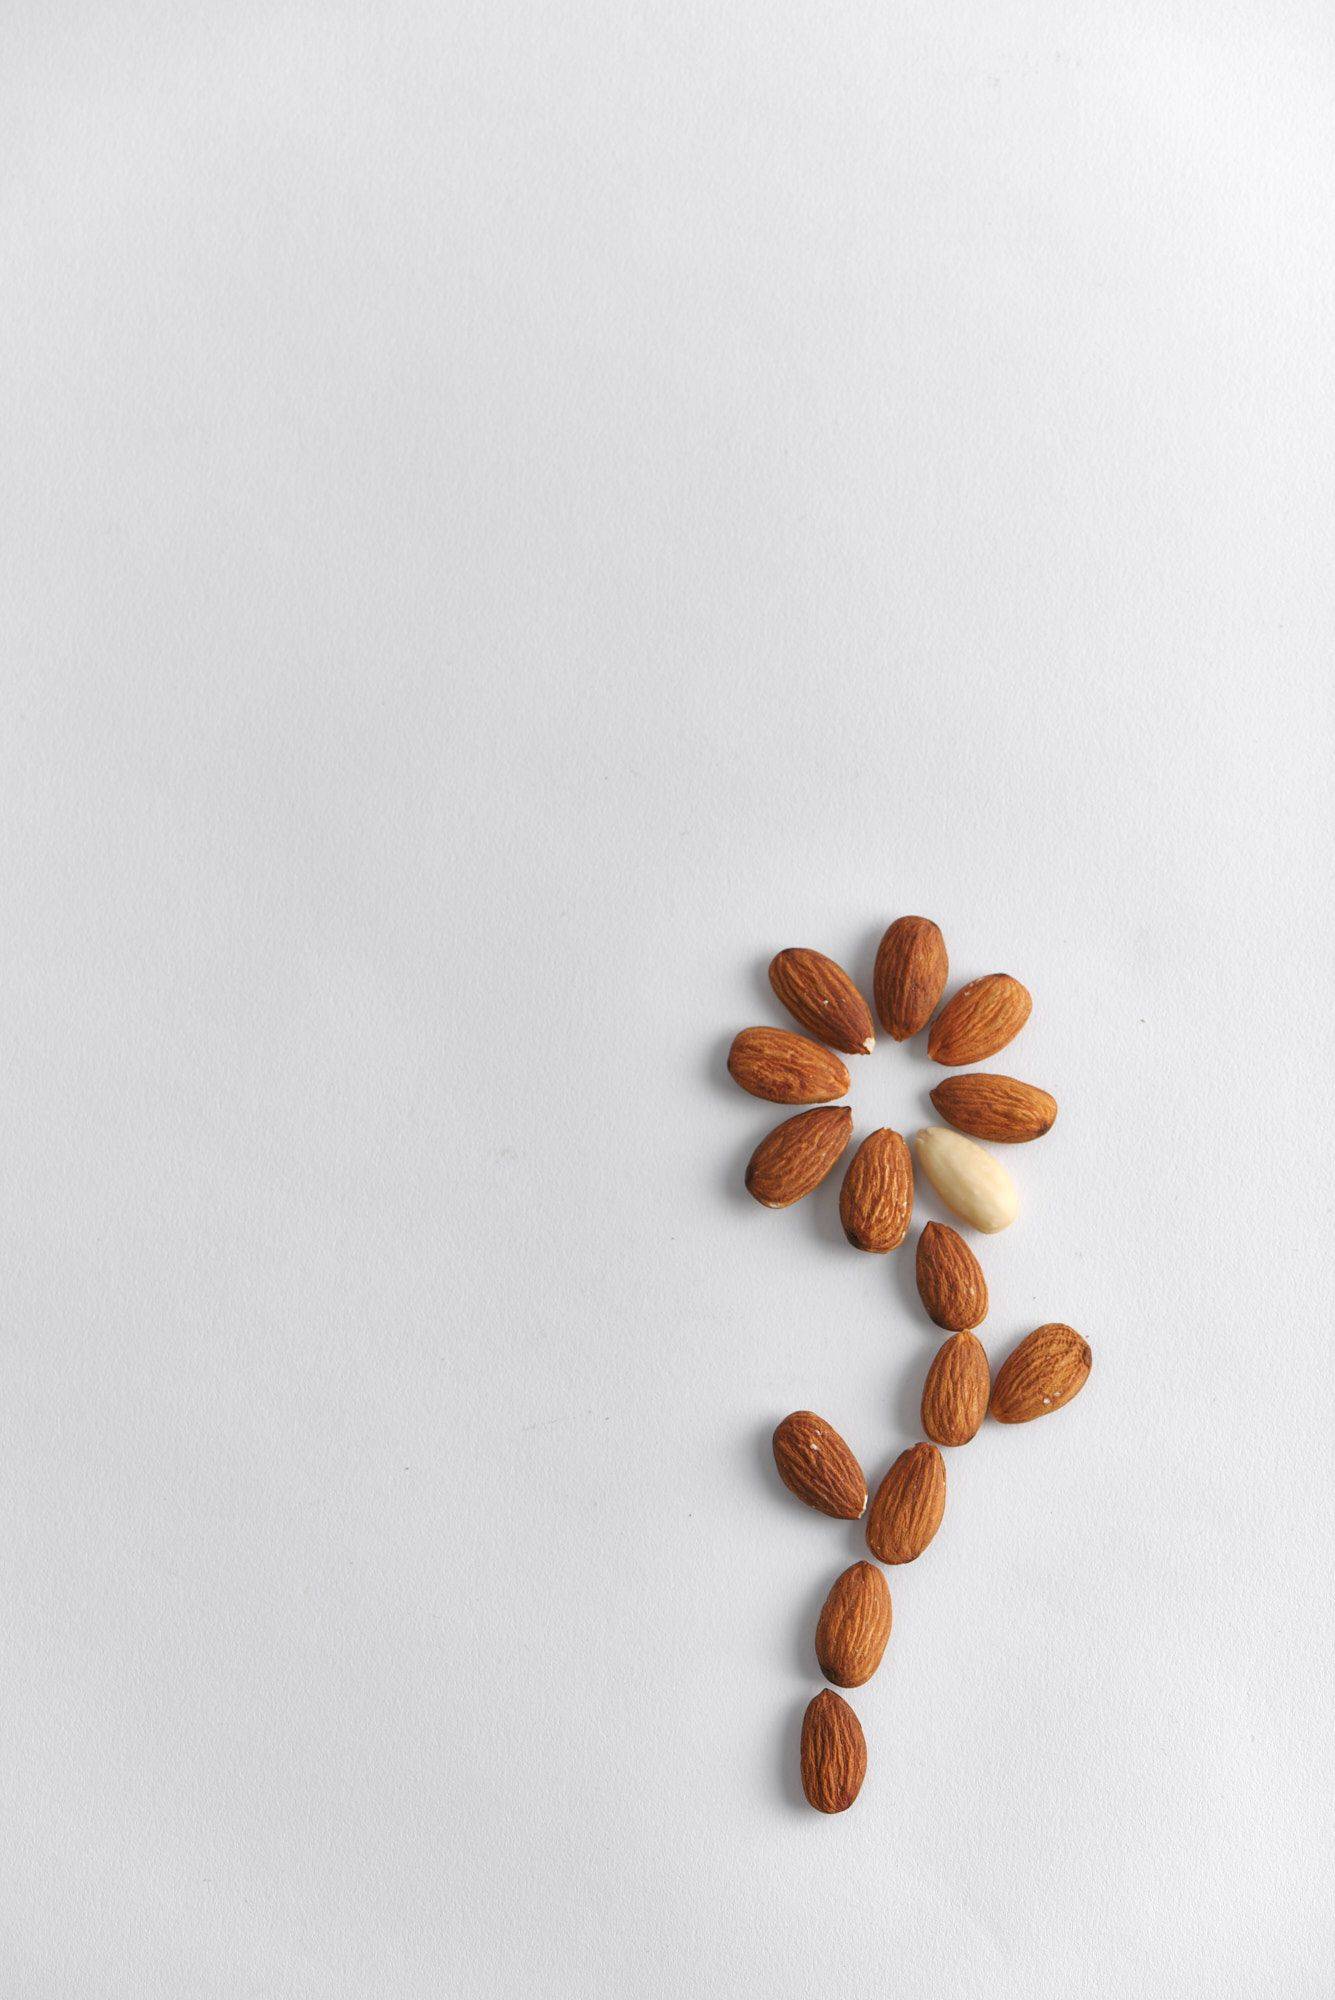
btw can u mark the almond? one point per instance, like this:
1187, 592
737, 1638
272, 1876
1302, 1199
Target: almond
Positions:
876, 1200
910, 976
854, 1626
980, 1019
954, 1396
995, 1107
951, 1284
909, 1503
834, 1753
785, 1068
822, 998
816, 1465
1042, 1373
968, 1180
796, 1156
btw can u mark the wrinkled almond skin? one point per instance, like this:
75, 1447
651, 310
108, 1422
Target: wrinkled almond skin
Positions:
954, 1396
822, 998
816, 1465
1046, 1370
951, 1284
980, 1019
785, 1068
909, 1504
910, 976
1000, 1108
796, 1156
834, 1753
967, 1178
876, 1200
854, 1626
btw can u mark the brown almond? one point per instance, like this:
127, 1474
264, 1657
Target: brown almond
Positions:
876, 1200
1043, 1372
954, 1396
910, 976
816, 1465
980, 1019
995, 1107
854, 1626
785, 1068
796, 1156
909, 1503
951, 1284
822, 998
834, 1753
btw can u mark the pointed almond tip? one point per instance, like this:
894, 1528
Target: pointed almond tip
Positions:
869, 1044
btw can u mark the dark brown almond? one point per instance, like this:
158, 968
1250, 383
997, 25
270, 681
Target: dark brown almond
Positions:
876, 1200
954, 1396
816, 1465
909, 1503
785, 1068
910, 976
995, 1107
854, 1626
1042, 1373
951, 1284
822, 998
980, 1019
834, 1753
796, 1156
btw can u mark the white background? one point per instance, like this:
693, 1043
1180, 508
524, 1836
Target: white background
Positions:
512, 514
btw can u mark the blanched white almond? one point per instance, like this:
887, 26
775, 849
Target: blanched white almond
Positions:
968, 1180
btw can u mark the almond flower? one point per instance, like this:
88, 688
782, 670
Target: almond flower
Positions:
876, 1200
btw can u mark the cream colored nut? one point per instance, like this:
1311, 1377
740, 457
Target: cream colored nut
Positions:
968, 1180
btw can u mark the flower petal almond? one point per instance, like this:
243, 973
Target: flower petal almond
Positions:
822, 998
796, 1156
1000, 1108
876, 1200
910, 976
785, 1068
951, 1284
968, 1180
978, 1020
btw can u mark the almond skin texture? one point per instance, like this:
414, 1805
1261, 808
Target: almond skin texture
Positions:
834, 1753
785, 1068
854, 1626
909, 1503
1000, 1108
980, 1019
954, 1396
876, 1200
1042, 1373
822, 998
910, 977
816, 1465
951, 1284
796, 1156
968, 1180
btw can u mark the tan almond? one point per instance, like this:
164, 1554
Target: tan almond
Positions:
785, 1068
910, 976
822, 998
909, 1504
834, 1753
1046, 1370
951, 1284
995, 1107
876, 1200
854, 1626
954, 1396
816, 1465
967, 1178
796, 1156
978, 1020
